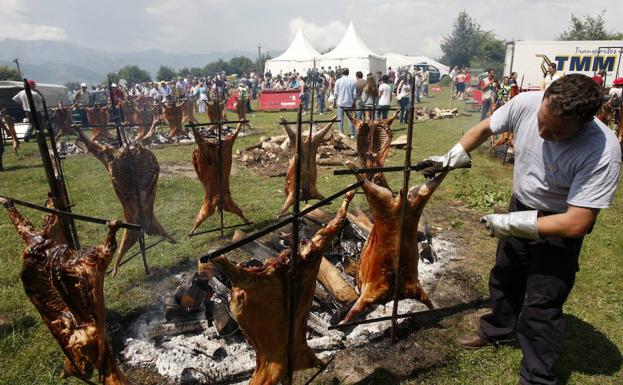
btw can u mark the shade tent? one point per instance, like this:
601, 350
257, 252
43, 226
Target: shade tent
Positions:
299, 56
396, 60
352, 53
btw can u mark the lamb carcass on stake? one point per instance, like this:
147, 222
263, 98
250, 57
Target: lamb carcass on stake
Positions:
98, 120
215, 110
379, 258
173, 114
373, 140
309, 171
67, 288
206, 162
62, 117
134, 172
260, 303
139, 114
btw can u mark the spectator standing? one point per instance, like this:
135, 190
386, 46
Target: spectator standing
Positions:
22, 99
391, 75
403, 94
360, 83
385, 97
599, 78
452, 77
551, 75
321, 95
82, 98
370, 96
202, 96
460, 84
488, 88
344, 93
425, 81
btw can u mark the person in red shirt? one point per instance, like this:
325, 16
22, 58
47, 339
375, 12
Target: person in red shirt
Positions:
599, 78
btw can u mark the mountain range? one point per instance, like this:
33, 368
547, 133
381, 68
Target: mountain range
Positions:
60, 62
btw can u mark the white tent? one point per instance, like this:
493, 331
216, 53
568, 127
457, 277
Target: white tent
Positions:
299, 56
352, 53
396, 60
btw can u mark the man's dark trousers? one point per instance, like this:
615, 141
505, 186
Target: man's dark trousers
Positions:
529, 284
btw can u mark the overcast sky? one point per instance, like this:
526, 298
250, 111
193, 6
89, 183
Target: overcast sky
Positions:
202, 26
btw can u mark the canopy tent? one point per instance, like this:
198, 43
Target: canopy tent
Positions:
299, 56
396, 60
352, 53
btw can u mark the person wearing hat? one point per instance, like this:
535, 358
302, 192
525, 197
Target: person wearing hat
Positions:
616, 98
22, 99
82, 98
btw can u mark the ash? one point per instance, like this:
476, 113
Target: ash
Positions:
191, 351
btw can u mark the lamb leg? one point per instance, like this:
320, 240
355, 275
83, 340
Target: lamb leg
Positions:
23, 226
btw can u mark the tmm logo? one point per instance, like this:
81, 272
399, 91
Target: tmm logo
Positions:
579, 63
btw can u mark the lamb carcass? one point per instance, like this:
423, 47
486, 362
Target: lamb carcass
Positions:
309, 171
98, 120
260, 303
241, 111
173, 115
206, 162
139, 114
379, 258
62, 117
214, 110
67, 288
373, 140
134, 173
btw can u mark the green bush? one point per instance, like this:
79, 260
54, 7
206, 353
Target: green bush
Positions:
481, 194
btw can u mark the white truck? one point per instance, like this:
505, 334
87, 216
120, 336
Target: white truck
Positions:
530, 59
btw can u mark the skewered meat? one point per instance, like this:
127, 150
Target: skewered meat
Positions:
373, 140
241, 111
379, 258
206, 162
139, 114
173, 114
134, 171
259, 302
188, 115
309, 172
7, 124
214, 110
61, 116
98, 120
67, 288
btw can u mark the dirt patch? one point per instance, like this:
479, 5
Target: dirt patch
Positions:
185, 169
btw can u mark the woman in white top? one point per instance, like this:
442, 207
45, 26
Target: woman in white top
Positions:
403, 94
551, 75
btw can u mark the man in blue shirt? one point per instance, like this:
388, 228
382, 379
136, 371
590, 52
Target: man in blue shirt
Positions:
344, 93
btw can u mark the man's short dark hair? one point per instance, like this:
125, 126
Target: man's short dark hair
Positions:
385, 78
574, 96
345, 71
359, 75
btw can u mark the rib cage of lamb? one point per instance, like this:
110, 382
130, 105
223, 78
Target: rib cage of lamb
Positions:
379, 258
260, 303
206, 163
134, 172
373, 140
67, 288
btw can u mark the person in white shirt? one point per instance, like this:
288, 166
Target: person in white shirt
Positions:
22, 99
385, 98
551, 75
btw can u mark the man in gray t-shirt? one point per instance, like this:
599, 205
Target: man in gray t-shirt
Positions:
567, 166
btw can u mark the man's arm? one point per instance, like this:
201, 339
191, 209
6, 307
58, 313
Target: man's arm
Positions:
574, 223
476, 135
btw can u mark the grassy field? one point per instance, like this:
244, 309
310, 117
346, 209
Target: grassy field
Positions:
594, 311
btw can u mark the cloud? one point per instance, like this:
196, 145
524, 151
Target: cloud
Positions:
322, 37
16, 24
431, 47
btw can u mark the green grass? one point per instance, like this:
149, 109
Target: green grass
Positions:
29, 355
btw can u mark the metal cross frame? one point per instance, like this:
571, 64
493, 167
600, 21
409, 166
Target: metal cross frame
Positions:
219, 123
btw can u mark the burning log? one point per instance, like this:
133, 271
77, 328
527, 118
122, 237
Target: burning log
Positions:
379, 259
98, 120
330, 278
7, 124
62, 117
214, 176
373, 140
309, 172
67, 288
134, 172
260, 291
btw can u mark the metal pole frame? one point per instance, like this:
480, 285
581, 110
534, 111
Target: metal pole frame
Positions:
53, 168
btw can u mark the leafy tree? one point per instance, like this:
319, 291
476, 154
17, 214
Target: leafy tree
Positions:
242, 64
7, 73
589, 28
113, 77
184, 72
71, 86
165, 73
196, 71
462, 44
134, 74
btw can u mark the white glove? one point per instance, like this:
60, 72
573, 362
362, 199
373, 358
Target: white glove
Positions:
520, 224
455, 158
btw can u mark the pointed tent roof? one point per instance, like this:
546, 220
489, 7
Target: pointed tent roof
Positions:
299, 50
351, 46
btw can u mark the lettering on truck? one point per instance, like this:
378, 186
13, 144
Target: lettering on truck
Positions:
580, 63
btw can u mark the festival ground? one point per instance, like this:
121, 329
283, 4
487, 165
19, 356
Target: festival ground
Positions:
594, 311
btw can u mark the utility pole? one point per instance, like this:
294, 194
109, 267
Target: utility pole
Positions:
19, 72
259, 59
